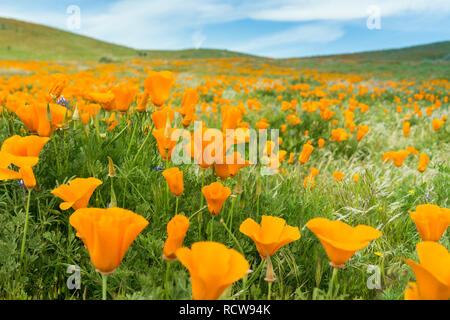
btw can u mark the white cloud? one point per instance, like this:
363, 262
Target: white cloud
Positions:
175, 24
310, 10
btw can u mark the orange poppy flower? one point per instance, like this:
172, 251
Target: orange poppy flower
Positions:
216, 195
271, 235
432, 274
213, 268
176, 230
231, 116
159, 117
164, 141
142, 106
306, 153
341, 240
362, 131
107, 234
23, 151
174, 178
123, 97
338, 176
321, 143
431, 221
437, 124
339, 135
77, 193
406, 128
310, 179
42, 118
423, 162
158, 84
356, 177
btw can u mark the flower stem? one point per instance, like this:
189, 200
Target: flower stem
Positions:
22, 250
176, 206
212, 226
269, 290
166, 281
332, 281
104, 286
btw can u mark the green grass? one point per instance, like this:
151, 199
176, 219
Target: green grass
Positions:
382, 198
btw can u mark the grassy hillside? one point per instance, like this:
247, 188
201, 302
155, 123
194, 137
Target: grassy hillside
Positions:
431, 60
28, 41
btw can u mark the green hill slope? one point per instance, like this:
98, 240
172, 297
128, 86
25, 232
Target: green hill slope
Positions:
29, 41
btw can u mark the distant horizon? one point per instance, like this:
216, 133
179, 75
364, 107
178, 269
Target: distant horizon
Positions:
285, 29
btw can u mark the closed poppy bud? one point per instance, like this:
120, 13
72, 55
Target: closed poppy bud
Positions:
271, 235
406, 128
432, 273
215, 195
341, 240
213, 268
306, 152
423, 162
310, 179
174, 178
338, 176
107, 234
28, 177
291, 158
176, 230
321, 143
431, 221
77, 193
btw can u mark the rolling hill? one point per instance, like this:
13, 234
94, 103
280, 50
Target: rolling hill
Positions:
21, 40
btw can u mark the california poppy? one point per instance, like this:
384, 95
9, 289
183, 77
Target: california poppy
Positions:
176, 230
77, 193
271, 235
362, 131
215, 195
423, 162
432, 273
158, 84
306, 153
213, 268
431, 221
338, 176
174, 178
341, 240
107, 234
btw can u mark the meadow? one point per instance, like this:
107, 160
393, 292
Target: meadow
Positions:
365, 146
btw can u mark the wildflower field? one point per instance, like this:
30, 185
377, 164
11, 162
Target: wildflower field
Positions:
104, 174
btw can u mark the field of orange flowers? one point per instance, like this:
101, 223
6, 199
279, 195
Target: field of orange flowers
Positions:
348, 198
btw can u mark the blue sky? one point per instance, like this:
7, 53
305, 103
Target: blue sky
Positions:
274, 28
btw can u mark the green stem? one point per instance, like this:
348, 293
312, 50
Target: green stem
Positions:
212, 227
142, 146
22, 250
176, 206
131, 140
166, 280
203, 183
269, 290
230, 213
104, 285
56, 154
331, 283
233, 237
